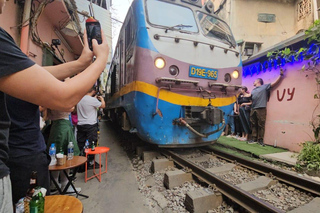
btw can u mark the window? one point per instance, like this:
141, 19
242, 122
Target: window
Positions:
129, 37
215, 28
171, 16
304, 9
128, 34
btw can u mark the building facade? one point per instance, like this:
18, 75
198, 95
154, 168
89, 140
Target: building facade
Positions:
262, 26
39, 29
51, 32
259, 24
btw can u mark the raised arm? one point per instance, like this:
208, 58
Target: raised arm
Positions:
103, 103
278, 78
40, 87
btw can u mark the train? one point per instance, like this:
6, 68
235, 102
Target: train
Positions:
175, 73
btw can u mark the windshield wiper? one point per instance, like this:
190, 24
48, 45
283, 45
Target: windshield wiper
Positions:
177, 26
225, 38
231, 44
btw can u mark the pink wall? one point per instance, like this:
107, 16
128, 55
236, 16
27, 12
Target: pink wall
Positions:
46, 33
291, 107
10, 20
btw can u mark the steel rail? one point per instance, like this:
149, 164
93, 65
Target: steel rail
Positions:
305, 184
241, 197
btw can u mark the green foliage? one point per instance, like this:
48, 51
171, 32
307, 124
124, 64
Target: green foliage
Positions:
313, 32
308, 53
309, 156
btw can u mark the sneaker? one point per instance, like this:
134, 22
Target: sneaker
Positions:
229, 136
252, 141
242, 139
260, 141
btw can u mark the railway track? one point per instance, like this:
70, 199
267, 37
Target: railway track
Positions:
248, 201
290, 178
241, 197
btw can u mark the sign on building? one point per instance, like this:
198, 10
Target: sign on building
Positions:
267, 18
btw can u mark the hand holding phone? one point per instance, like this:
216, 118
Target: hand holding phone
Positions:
93, 31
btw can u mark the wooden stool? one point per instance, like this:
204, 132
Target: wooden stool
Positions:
98, 150
62, 204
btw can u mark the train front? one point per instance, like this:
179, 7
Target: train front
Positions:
188, 73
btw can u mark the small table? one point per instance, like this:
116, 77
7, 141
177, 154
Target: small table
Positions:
62, 204
70, 164
98, 150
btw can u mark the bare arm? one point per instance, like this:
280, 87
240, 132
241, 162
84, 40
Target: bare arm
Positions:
248, 103
103, 103
278, 79
38, 86
236, 107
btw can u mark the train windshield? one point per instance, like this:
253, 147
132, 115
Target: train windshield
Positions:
171, 16
215, 28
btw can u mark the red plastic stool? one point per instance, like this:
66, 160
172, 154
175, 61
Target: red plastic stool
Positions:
98, 150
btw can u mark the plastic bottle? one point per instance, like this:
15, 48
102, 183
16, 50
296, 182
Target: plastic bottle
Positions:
70, 151
52, 153
86, 146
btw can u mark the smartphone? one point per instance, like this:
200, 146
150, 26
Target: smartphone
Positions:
93, 31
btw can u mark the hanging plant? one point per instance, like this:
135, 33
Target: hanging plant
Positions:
311, 52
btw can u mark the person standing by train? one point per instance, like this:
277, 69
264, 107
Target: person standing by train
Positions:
244, 107
21, 78
260, 96
87, 119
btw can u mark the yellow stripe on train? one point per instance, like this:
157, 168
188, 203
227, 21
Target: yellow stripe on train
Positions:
171, 97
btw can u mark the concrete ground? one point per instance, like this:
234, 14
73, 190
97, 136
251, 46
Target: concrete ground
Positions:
118, 190
284, 157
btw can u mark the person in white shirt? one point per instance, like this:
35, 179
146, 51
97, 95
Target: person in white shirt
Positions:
87, 126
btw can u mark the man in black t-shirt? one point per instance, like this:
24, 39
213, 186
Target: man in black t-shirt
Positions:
22, 78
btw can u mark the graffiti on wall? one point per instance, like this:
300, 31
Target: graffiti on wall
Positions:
288, 93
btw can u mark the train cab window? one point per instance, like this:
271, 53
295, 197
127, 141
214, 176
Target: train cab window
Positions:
213, 27
171, 16
129, 37
128, 34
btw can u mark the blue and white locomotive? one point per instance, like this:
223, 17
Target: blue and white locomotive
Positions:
175, 73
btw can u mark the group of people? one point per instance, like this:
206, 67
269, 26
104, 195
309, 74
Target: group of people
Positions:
63, 129
24, 86
248, 118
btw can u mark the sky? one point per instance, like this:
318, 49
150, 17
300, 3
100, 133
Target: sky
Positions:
118, 11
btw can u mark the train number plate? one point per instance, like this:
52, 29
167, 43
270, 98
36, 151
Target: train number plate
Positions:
202, 72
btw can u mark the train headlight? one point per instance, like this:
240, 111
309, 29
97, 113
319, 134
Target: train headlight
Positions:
173, 70
159, 63
235, 74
